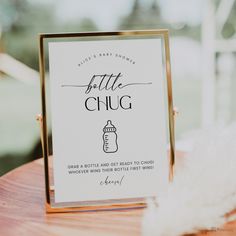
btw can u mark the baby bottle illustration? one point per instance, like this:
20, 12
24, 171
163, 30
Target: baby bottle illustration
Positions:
110, 138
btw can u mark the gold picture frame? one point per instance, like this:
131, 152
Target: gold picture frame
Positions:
51, 206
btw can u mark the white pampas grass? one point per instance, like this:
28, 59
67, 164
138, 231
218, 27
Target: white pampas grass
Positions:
203, 190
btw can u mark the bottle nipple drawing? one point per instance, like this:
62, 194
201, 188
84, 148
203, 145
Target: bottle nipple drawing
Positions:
110, 144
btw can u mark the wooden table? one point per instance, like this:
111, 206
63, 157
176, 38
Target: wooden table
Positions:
22, 212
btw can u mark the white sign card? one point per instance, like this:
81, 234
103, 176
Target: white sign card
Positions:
108, 119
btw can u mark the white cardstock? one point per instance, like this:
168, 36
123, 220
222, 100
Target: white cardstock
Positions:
108, 119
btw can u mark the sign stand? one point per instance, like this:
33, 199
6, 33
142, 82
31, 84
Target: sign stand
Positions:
95, 205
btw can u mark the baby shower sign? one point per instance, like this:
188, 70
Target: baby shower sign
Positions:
108, 119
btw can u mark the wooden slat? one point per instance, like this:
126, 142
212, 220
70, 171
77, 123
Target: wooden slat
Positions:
17, 70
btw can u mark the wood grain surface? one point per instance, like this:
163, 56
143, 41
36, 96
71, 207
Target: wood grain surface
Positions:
22, 212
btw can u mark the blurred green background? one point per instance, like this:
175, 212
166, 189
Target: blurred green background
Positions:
22, 20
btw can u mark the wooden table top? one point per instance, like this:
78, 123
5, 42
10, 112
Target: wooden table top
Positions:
22, 211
